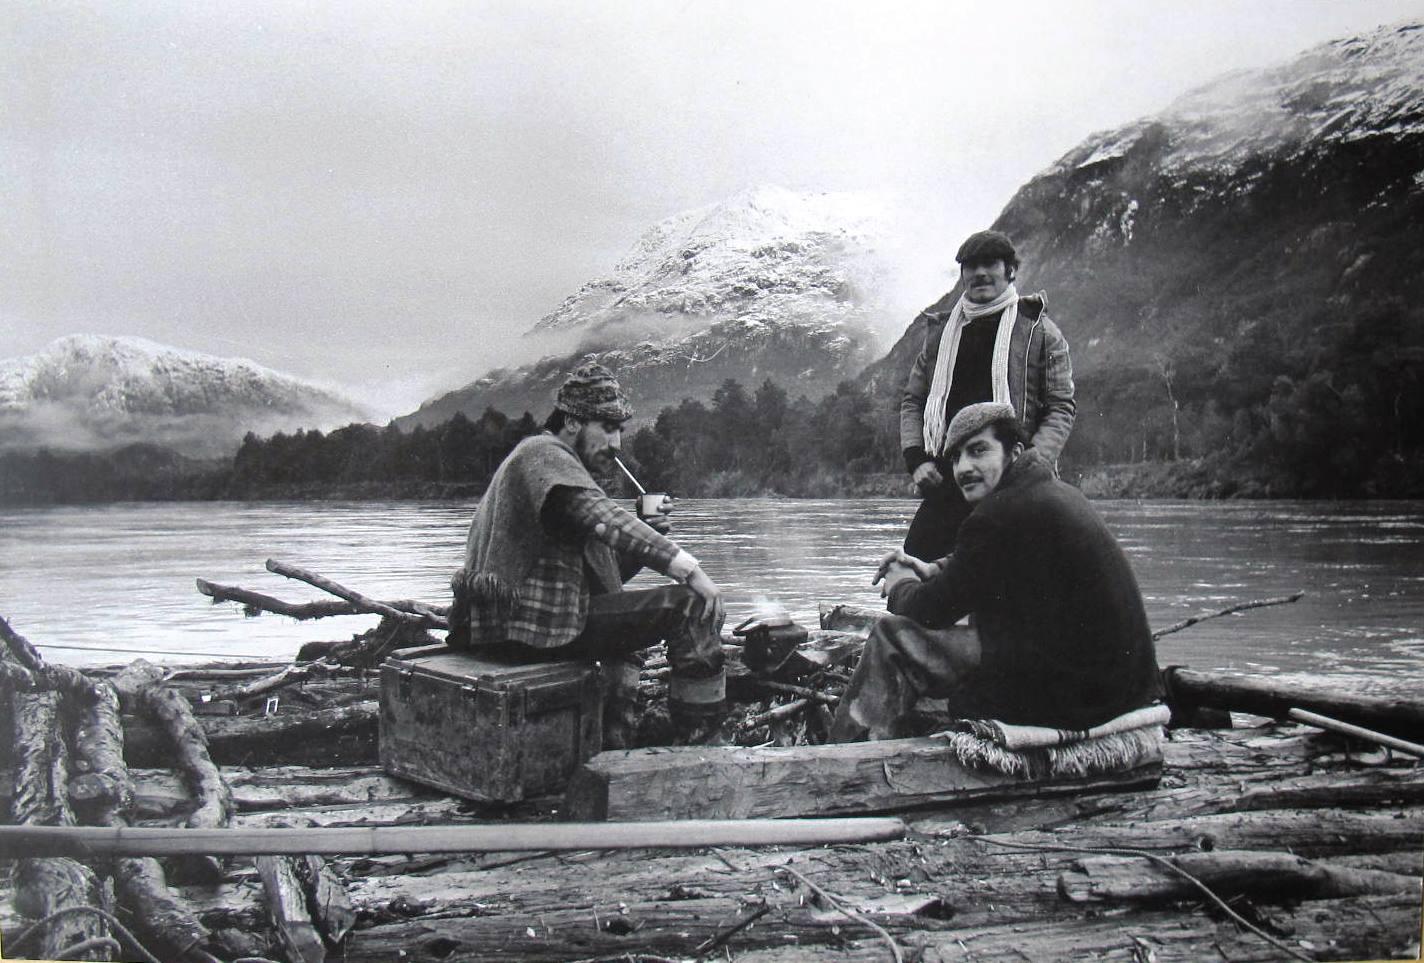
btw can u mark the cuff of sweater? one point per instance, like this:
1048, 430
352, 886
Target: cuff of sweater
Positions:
682, 565
915, 457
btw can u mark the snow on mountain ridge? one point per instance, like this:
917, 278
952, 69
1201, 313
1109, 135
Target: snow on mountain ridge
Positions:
722, 258
89, 390
1344, 89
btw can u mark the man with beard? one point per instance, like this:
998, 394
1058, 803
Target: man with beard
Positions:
1059, 638
548, 553
988, 344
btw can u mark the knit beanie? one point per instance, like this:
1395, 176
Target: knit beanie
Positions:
591, 393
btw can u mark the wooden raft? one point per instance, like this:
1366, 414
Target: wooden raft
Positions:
692, 782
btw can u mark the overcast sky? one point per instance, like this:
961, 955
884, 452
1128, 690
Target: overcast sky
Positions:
374, 194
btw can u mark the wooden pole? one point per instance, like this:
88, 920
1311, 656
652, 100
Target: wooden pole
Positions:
373, 840
1335, 725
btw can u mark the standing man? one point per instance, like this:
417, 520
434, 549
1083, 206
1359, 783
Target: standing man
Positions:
548, 553
989, 344
1060, 636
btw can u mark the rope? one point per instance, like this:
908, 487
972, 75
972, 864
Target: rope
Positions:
112, 651
108, 944
108, 918
1163, 861
852, 914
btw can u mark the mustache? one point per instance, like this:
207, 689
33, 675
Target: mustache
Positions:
968, 477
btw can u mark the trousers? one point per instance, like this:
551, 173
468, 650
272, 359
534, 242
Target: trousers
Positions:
902, 662
620, 624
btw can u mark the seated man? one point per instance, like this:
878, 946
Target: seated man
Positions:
548, 553
1060, 636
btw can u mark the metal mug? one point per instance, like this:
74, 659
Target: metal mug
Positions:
650, 504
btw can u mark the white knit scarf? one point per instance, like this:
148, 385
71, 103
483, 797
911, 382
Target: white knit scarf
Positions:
936, 418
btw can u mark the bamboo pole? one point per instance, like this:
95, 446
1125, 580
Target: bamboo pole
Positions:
375, 840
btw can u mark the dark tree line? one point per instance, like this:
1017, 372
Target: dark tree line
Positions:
1336, 410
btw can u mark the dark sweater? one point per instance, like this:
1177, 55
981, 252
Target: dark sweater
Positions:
1064, 634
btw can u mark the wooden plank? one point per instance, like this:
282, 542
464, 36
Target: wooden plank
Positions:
861, 777
1262, 697
286, 901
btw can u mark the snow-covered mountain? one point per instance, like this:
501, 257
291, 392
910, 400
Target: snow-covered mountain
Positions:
1274, 200
90, 391
770, 283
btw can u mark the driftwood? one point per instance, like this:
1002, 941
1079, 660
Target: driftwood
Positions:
140, 685
738, 783
1398, 717
1268, 876
286, 902
291, 675
1229, 610
345, 735
423, 614
255, 602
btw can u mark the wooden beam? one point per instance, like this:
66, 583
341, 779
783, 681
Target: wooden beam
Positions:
505, 837
860, 777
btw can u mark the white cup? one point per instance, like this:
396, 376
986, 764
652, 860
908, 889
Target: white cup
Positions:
651, 504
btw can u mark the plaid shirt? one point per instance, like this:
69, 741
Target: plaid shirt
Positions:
553, 598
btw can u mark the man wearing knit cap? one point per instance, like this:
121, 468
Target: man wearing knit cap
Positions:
548, 553
1059, 636
986, 344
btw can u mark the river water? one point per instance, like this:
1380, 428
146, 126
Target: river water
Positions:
99, 584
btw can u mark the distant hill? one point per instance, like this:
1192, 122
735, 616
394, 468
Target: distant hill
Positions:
769, 284
86, 392
1241, 276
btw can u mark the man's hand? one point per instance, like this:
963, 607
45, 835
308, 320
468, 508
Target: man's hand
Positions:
711, 595
922, 569
895, 574
927, 476
660, 522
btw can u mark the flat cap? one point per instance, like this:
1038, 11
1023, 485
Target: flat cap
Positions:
987, 246
973, 419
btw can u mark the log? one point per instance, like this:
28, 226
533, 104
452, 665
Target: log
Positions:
738, 783
1397, 717
286, 902
1265, 876
506, 837
331, 907
102, 785
45, 886
160, 918
140, 684
345, 735
60, 677
41, 769
424, 615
